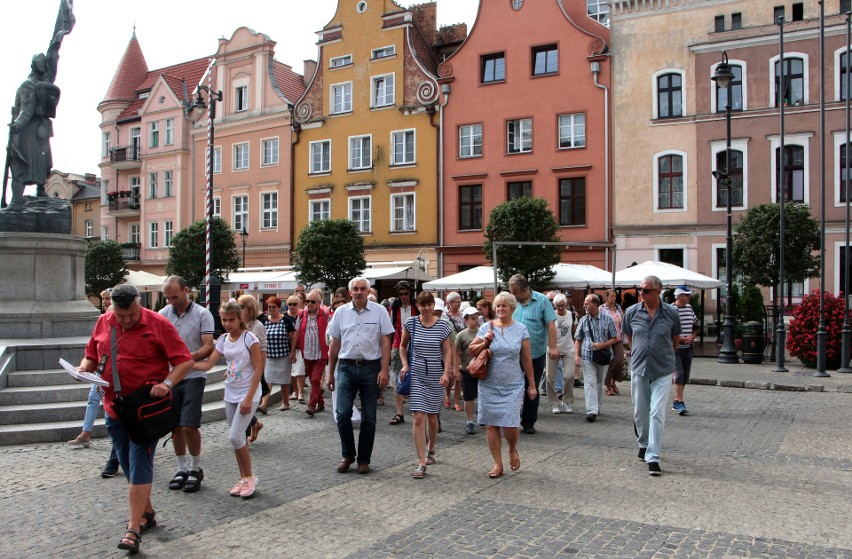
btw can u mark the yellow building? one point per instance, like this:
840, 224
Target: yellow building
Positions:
367, 134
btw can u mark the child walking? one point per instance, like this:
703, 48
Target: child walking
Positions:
242, 377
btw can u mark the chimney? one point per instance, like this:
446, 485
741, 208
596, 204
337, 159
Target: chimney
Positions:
310, 70
91, 178
426, 19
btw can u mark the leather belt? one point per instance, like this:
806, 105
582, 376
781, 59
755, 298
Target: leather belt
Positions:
361, 362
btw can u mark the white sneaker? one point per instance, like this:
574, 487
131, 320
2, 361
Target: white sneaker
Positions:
557, 410
566, 407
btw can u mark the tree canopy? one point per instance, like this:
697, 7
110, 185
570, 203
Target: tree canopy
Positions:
329, 251
186, 257
523, 219
105, 266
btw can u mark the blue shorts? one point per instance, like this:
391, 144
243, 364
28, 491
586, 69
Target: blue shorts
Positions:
136, 460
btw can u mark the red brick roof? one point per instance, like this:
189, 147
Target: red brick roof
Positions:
131, 70
190, 71
289, 82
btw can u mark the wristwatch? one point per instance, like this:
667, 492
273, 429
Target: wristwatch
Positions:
168, 383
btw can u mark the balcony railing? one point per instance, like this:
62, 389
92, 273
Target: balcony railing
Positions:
130, 251
124, 153
123, 204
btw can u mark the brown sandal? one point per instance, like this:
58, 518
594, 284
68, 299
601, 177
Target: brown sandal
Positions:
397, 419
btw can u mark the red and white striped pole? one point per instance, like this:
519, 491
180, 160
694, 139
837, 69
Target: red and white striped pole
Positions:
212, 97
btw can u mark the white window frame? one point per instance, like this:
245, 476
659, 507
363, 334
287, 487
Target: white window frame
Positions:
104, 192
170, 132
217, 160
368, 155
217, 207
240, 212
153, 179
237, 159
269, 215
802, 140
340, 61
133, 232
520, 132
603, 13
714, 262
168, 184
269, 157
733, 62
838, 77
105, 144
168, 233
573, 127
382, 53
325, 163
839, 140
364, 225
684, 248
408, 159
135, 138
805, 81
153, 234
684, 110
316, 211
135, 182
838, 269
717, 148
90, 228
386, 83
154, 134
468, 131
241, 100
105, 232
656, 174
346, 98
413, 209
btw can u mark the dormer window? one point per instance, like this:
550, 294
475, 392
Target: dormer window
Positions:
241, 98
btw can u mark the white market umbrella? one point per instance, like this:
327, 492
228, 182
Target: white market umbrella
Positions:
669, 274
144, 281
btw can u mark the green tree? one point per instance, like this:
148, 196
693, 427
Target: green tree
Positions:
523, 219
329, 251
105, 267
186, 256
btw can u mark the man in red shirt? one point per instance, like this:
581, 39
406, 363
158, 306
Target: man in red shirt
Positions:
146, 345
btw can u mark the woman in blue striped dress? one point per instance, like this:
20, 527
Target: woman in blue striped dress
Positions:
428, 362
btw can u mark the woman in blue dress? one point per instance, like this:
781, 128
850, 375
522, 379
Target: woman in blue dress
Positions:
429, 363
501, 392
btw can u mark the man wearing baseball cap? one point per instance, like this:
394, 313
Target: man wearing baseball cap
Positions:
683, 357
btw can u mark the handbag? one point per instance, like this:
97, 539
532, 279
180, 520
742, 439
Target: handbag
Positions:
146, 418
599, 356
478, 366
403, 385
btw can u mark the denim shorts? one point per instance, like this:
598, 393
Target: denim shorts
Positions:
136, 460
190, 391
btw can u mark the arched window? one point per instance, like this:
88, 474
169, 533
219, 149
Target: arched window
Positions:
670, 182
669, 95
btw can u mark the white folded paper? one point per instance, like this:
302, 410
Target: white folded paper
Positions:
80, 375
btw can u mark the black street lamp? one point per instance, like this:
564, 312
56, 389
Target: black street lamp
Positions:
822, 330
244, 237
723, 77
781, 328
847, 325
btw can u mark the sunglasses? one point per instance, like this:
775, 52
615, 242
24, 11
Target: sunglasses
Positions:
312, 302
292, 304
646, 290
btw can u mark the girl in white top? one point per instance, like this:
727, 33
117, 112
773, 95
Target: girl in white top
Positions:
242, 377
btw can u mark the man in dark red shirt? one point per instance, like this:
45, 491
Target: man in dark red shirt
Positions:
146, 345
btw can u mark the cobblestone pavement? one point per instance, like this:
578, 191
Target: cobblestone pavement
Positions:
749, 473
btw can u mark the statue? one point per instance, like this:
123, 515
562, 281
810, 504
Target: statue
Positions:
28, 153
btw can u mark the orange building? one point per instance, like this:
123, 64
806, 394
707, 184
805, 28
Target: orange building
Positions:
526, 114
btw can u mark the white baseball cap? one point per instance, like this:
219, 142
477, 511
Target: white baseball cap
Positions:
470, 311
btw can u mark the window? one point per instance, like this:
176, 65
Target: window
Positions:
519, 135
598, 10
719, 24
470, 140
240, 217
105, 232
402, 206
270, 151
382, 91
341, 98
493, 68
320, 210
845, 6
844, 169
736, 21
105, 144
241, 156
154, 134
135, 141
321, 156
793, 174
170, 131
360, 151
669, 96
736, 89
402, 145
572, 201
798, 11
340, 61
736, 176
518, 189
133, 233
470, 207
384, 52
88, 206
359, 213
671, 256
168, 190
794, 81
217, 207
135, 184
545, 60
670, 182
841, 269
152, 185
168, 232
269, 207
153, 235
104, 192
90, 228
572, 131
241, 98
844, 77
217, 159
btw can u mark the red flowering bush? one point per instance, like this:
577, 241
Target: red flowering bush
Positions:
802, 337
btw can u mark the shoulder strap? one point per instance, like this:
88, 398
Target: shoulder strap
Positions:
116, 384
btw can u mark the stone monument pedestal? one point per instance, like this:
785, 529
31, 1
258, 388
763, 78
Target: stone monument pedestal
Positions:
42, 286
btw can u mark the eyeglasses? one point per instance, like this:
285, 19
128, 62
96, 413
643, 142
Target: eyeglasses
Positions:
292, 304
312, 301
646, 290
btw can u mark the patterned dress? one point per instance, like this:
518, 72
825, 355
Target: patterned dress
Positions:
501, 392
426, 364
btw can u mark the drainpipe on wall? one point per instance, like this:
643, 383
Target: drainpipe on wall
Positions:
596, 70
445, 89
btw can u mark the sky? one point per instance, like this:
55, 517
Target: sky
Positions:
169, 32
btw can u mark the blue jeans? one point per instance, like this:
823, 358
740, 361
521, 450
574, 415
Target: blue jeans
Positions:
137, 460
529, 413
352, 379
649, 412
91, 409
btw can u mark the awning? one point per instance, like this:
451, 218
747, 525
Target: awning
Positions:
669, 274
261, 281
396, 273
567, 276
144, 281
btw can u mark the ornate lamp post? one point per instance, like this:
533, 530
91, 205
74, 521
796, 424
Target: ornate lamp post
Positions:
847, 326
822, 331
723, 77
781, 328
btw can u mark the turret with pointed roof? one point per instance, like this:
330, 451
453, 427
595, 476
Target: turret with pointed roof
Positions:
131, 71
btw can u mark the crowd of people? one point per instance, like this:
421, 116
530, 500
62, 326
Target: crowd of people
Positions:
537, 343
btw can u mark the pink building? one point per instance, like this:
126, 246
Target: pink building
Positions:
526, 115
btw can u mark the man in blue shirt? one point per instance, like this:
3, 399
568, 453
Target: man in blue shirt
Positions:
653, 332
536, 311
